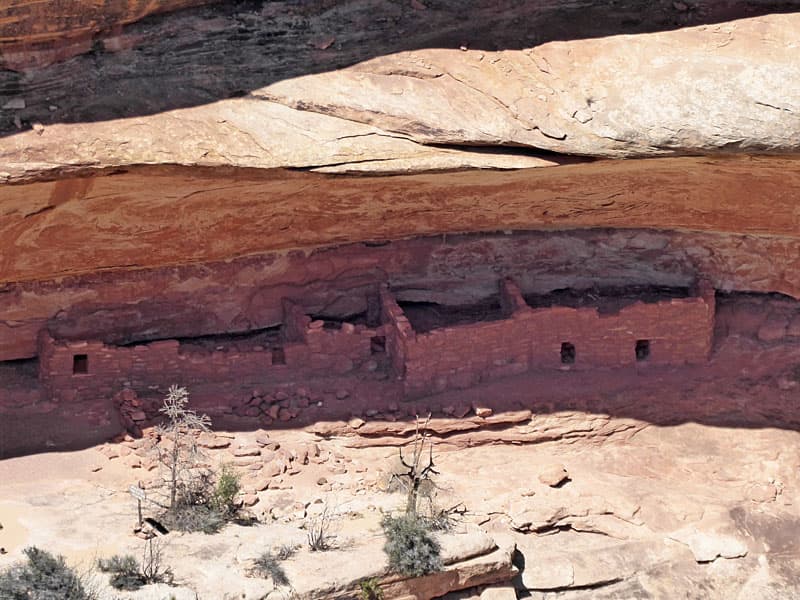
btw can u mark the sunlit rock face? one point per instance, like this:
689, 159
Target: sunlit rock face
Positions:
730, 87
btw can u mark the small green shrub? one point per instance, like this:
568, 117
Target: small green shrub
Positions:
42, 576
268, 566
123, 570
126, 573
228, 486
194, 517
371, 589
411, 548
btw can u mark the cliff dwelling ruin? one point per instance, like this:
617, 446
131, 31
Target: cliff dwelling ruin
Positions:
558, 242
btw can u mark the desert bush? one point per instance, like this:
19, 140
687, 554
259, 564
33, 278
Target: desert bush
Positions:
227, 488
411, 548
43, 576
126, 573
123, 572
194, 517
370, 589
269, 566
319, 530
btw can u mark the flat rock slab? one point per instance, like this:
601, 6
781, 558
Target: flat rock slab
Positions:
707, 546
597, 566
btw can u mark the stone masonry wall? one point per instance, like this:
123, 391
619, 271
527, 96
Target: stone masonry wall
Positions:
159, 364
678, 331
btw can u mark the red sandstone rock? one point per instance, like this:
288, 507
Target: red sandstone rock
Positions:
211, 441
273, 469
461, 411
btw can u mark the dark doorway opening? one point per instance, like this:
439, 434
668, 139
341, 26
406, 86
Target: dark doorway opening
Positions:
278, 356
80, 364
567, 353
642, 350
377, 344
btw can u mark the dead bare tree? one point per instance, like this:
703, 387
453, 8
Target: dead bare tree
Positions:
416, 474
180, 429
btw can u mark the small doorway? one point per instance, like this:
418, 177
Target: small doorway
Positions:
642, 350
80, 364
567, 353
278, 356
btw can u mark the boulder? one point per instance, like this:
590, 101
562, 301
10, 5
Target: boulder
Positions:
554, 475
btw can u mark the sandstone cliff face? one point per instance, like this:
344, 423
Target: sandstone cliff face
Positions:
35, 33
152, 217
693, 91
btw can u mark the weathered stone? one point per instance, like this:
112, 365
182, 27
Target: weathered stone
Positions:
213, 442
707, 546
762, 492
273, 469
794, 327
554, 475
249, 500
356, 423
499, 592
247, 451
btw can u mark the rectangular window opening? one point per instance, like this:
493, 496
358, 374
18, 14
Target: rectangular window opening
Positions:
278, 356
642, 350
377, 344
567, 353
80, 364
